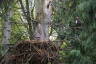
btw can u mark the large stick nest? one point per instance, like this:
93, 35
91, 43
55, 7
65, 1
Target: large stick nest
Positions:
33, 52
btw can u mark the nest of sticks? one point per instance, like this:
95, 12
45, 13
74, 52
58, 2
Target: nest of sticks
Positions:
32, 52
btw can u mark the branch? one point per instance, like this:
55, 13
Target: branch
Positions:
22, 6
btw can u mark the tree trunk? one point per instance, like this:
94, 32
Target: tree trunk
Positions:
43, 17
7, 29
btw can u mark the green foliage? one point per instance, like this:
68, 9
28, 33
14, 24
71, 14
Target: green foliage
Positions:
19, 29
82, 41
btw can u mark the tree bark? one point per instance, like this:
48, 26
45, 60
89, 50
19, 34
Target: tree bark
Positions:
43, 17
7, 29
